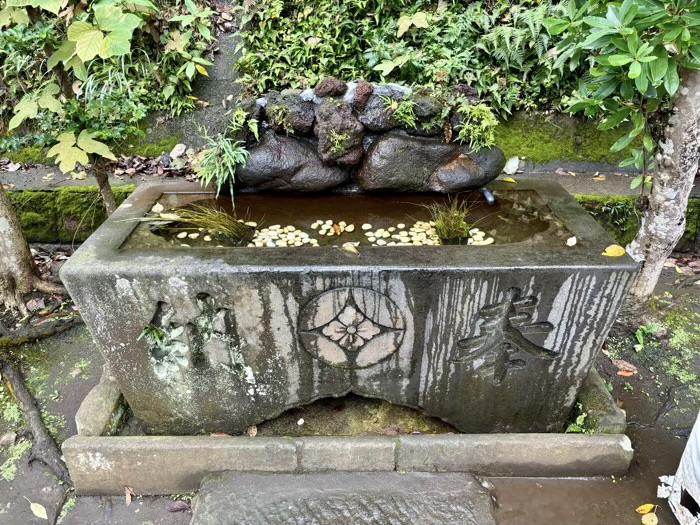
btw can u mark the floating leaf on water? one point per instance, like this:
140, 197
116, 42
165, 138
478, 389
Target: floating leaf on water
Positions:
645, 509
614, 250
37, 509
508, 179
336, 229
650, 519
571, 241
351, 247
157, 208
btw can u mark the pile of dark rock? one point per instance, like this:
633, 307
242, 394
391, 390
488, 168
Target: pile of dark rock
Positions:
343, 134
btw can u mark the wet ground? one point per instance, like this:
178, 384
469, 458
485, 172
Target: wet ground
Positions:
61, 370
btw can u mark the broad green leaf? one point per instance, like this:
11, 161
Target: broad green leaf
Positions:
64, 52
673, 33
12, 15
48, 100
614, 120
622, 143
386, 67
204, 31
79, 69
636, 182
619, 60
596, 21
52, 6
116, 43
67, 155
88, 40
642, 83
25, 108
87, 143
420, 20
648, 142
402, 25
114, 19
190, 70
635, 70
671, 80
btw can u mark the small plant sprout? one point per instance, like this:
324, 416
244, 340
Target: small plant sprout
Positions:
219, 161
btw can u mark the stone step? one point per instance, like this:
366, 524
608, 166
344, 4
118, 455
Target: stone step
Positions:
358, 498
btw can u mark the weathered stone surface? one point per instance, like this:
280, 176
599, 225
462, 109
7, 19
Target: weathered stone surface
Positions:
358, 498
330, 87
375, 116
422, 311
288, 164
339, 134
102, 409
368, 454
166, 465
518, 455
362, 93
404, 163
603, 415
7, 439
288, 112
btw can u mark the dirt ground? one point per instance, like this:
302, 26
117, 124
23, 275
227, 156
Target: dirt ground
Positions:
661, 398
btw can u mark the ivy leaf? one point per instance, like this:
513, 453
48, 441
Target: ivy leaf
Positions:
88, 40
64, 53
403, 25
112, 18
53, 6
26, 108
11, 15
67, 155
79, 69
177, 42
48, 100
116, 43
420, 20
87, 143
386, 67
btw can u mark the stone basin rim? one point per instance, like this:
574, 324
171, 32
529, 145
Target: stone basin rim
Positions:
105, 244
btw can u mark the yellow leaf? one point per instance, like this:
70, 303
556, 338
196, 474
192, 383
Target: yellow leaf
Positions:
650, 519
645, 509
614, 250
599, 178
192, 98
202, 70
37, 509
508, 179
678, 270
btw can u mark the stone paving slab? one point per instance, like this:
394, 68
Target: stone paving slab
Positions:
341, 498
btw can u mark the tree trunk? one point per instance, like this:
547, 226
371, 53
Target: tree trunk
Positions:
18, 273
105, 189
663, 222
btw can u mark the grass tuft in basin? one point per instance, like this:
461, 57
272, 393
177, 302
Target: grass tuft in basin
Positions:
205, 219
451, 218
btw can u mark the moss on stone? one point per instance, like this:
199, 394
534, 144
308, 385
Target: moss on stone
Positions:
618, 215
67, 214
28, 156
545, 138
148, 149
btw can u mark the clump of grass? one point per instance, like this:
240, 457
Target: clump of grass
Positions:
219, 161
195, 217
451, 218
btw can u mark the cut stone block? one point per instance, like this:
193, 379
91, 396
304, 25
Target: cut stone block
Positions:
330, 499
518, 455
491, 339
369, 454
165, 465
103, 408
603, 415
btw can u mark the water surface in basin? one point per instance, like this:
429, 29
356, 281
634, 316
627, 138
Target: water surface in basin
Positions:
516, 217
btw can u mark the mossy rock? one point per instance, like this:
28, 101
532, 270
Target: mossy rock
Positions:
546, 138
67, 215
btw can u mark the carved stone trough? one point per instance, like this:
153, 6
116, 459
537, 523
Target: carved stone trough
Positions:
490, 339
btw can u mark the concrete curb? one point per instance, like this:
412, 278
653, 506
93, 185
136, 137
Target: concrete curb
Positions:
167, 465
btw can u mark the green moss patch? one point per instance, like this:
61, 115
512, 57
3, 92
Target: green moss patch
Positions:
28, 156
147, 149
67, 215
546, 138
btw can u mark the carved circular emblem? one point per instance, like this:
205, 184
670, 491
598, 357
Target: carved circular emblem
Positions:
351, 327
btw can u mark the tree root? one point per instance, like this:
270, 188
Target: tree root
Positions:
47, 287
44, 448
29, 334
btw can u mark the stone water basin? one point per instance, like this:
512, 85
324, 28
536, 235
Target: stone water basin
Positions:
489, 338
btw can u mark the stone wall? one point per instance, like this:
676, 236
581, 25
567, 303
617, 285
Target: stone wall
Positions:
356, 133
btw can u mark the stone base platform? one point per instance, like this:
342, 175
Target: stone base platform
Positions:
338, 498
